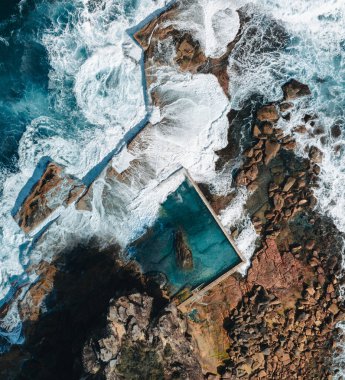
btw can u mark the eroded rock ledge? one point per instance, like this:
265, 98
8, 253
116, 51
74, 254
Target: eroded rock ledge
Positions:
54, 189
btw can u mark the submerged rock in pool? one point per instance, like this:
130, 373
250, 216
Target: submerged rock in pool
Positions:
184, 256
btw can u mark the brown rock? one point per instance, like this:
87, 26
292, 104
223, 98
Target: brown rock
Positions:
289, 183
258, 145
278, 201
285, 106
262, 374
315, 154
334, 309
301, 184
271, 150
291, 145
296, 248
252, 173
300, 129
294, 89
267, 129
258, 156
241, 179
330, 288
256, 131
302, 202
184, 256
268, 113
249, 153
55, 188
253, 186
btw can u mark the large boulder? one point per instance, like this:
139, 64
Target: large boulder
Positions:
184, 256
294, 89
54, 189
268, 113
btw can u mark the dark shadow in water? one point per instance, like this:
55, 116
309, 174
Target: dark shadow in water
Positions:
86, 280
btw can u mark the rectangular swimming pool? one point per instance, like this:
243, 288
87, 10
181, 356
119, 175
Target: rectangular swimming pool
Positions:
185, 220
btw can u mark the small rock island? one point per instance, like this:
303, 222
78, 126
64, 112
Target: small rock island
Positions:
184, 255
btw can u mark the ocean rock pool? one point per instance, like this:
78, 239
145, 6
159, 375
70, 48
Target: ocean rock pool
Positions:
186, 213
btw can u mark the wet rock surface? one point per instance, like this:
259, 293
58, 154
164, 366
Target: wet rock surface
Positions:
294, 89
184, 255
54, 189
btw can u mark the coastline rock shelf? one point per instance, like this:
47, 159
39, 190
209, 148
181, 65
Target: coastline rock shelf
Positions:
53, 190
280, 319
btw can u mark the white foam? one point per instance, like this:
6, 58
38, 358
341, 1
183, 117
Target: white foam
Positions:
75, 48
235, 216
214, 23
186, 136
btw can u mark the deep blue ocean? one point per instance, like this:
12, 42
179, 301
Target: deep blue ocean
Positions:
24, 69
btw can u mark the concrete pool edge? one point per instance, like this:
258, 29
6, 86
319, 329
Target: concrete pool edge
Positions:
200, 290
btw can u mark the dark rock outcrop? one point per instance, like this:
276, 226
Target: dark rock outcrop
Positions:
135, 346
294, 89
184, 255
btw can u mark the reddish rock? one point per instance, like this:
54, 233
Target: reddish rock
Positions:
271, 150
55, 188
294, 89
268, 113
273, 271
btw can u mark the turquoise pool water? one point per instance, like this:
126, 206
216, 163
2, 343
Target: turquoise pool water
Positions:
212, 252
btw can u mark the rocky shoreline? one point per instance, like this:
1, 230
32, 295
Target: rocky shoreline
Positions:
91, 315
279, 321
281, 317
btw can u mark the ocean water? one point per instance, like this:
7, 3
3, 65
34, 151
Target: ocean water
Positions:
72, 88
212, 252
